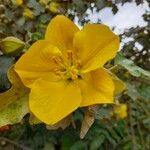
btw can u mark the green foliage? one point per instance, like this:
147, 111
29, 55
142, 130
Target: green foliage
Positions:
131, 67
14, 112
13, 102
144, 91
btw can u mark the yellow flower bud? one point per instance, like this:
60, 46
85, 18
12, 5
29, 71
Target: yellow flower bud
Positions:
11, 45
43, 2
28, 13
54, 7
18, 2
120, 111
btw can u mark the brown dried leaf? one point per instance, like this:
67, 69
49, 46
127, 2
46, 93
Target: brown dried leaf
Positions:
64, 123
86, 123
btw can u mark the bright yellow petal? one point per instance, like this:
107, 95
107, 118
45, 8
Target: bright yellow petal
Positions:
60, 32
36, 62
52, 101
120, 86
95, 44
97, 87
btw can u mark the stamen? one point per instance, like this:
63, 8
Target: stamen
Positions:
70, 57
74, 74
58, 61
78, 64
69, 54
60, 73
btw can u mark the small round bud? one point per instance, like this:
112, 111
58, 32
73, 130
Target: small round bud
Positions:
120, 111
54, 7
11, 45
28, 13
18, 2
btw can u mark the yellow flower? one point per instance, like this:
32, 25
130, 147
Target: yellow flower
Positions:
19, 2
28, 13
120, 111
65, 70
54, 7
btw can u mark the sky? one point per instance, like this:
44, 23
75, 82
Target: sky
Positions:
129, 15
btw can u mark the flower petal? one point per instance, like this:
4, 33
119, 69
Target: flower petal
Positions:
95, 44
97, 87
60, 32
120, 86
53, 101
36, 62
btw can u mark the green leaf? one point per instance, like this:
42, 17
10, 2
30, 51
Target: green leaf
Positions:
141, 91
79, 145
130, 66
144, 91
37, 8
5, 63
14, 102
97, 142
14, 112
68, 139
36, 36
132, 91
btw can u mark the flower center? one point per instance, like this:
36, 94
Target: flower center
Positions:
70, 68
72, 72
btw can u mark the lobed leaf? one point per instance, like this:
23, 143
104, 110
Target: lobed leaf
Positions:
14, 102
131, 67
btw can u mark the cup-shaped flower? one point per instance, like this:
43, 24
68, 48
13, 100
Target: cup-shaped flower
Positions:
65, 70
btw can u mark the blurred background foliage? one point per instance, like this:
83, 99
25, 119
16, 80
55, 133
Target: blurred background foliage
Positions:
27, 20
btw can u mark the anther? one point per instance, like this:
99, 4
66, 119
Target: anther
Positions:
58, 61
78, 64
59, 73
74, 73
69, 54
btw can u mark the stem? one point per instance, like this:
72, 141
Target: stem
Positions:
115, 68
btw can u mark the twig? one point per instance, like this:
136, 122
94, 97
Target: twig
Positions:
14, 143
